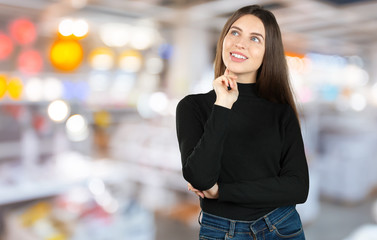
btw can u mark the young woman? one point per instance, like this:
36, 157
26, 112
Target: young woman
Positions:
241, 145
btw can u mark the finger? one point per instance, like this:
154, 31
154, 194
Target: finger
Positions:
200, 194
233, 84
225, 81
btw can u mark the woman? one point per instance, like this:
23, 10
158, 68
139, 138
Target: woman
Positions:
241, 145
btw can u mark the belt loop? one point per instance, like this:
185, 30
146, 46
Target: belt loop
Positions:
232, 227
269, 225
200, 214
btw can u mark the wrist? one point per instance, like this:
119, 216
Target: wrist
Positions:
224, 103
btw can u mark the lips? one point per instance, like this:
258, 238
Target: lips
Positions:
237, 57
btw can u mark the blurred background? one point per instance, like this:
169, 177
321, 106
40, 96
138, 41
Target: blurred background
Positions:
88, 90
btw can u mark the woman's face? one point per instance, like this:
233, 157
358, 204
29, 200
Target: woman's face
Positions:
244, 46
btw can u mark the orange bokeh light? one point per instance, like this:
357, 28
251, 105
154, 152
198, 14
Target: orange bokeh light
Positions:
66, 55
15, 87
3, 85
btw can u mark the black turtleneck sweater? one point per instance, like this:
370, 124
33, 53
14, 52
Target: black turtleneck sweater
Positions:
254, 152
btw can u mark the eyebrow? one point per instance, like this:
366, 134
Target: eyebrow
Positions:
252, 33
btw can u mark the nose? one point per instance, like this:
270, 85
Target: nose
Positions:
241, 44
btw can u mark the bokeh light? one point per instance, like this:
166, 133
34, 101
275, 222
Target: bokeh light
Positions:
66, 55
78, 28
130, 61
33, 89
101, 59
115, 34
66, 27
77, 128
30, 62
358, 102
52, 89
75, 90
23, 31
149, 105
102, 118
165, 51
158, 102
48, 89
58, 110
143, 38
354, 76
3, 85
6, 46
15, 87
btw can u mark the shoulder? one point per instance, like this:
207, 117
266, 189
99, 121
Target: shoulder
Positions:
197, 101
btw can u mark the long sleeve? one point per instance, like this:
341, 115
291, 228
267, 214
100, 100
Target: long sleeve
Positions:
290, 186
201, 142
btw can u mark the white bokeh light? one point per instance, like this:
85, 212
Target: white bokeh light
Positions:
80, 28
58, 110
66, 27
52, 89
77, 128
130, 63
34, 89
102, 62
158, 102
142, 37
358, 102
115, 34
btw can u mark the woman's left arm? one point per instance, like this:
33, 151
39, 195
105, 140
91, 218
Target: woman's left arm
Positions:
291, 186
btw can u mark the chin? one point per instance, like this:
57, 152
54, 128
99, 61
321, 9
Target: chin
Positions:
237, 71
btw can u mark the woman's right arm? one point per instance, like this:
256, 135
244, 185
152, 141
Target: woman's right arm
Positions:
201, 145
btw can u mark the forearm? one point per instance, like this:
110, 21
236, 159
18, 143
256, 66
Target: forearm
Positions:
269, 192
201, 163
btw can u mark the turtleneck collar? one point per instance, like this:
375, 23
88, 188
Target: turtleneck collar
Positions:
247, 89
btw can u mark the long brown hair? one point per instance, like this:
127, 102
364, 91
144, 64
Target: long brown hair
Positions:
272, 77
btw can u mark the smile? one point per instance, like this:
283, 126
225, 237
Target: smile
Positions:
238, 57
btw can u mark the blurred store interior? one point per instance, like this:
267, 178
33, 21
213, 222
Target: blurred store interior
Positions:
88, 90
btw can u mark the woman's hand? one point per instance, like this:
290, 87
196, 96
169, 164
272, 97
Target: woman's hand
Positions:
225, 97
194, 190
212, 193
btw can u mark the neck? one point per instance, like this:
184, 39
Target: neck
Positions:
246, 77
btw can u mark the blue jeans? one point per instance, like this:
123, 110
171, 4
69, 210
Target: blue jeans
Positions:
281, 223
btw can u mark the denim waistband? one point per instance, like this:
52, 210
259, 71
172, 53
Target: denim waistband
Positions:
262, 223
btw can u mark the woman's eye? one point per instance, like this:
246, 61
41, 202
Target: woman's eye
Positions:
234, 33
255, 39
